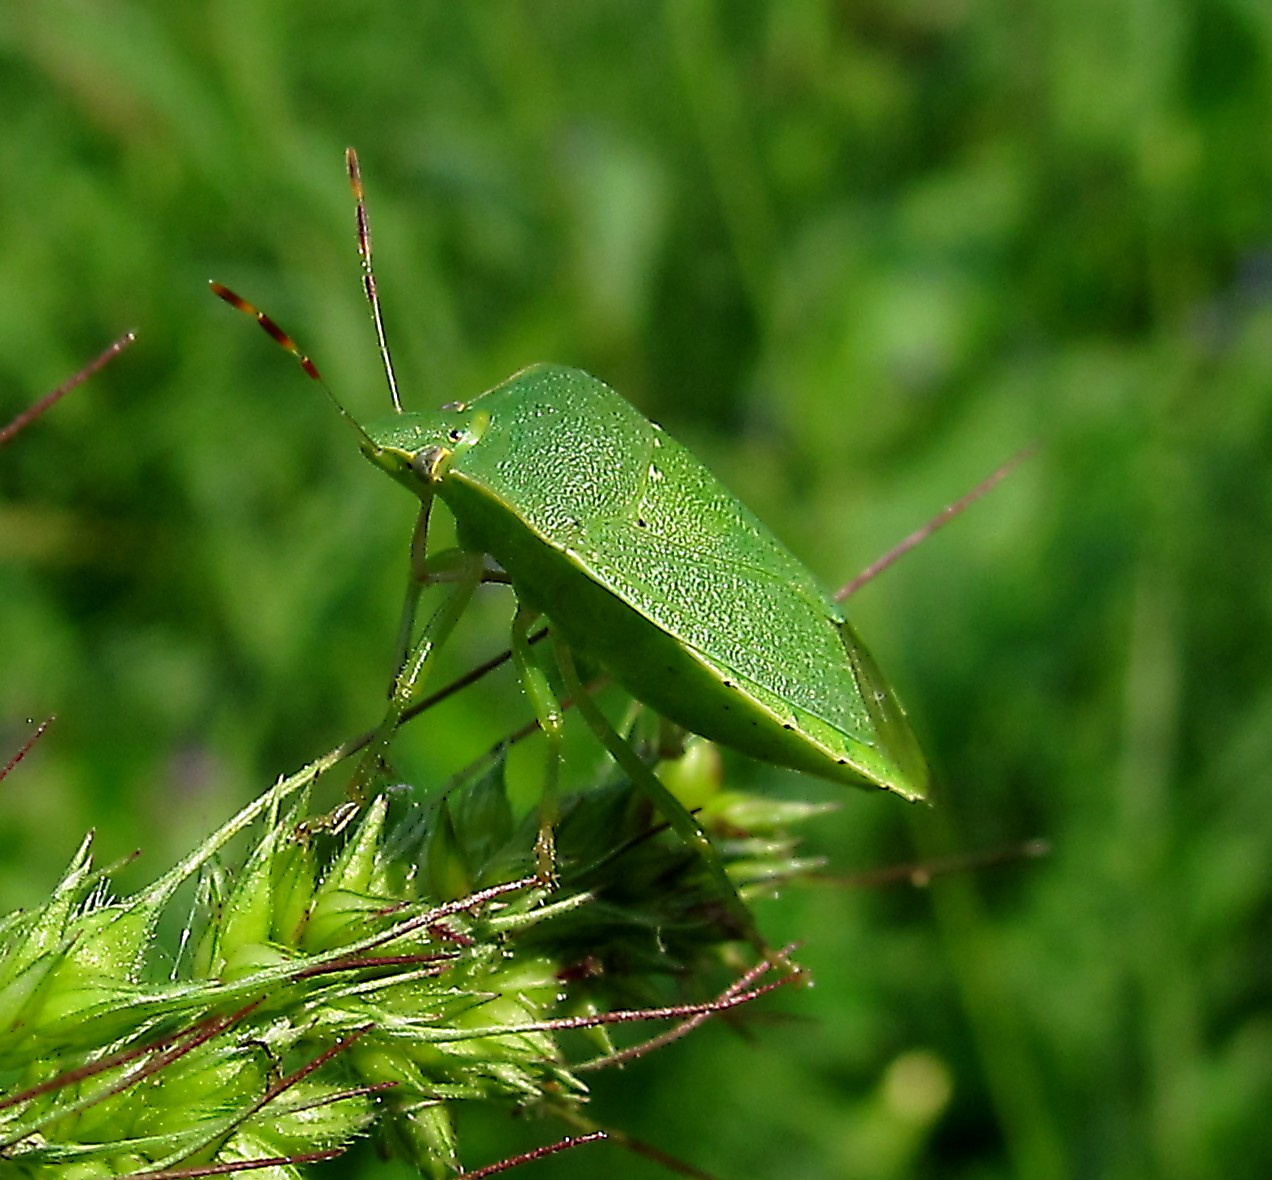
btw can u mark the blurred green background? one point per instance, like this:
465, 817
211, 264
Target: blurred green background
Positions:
854, 254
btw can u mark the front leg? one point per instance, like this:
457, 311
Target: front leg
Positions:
414, 670
418, 577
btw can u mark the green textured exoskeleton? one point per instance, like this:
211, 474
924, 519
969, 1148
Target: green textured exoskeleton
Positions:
641, 560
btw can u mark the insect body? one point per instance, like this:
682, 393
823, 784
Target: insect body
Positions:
641, 560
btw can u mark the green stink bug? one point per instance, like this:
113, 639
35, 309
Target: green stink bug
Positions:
640, 560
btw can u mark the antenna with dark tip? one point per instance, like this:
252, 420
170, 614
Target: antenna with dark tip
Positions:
368, 273
281, 338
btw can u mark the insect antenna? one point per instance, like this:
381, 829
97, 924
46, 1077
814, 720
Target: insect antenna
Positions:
368, 272
284, 341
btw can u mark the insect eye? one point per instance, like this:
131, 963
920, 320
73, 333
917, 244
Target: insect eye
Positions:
455, 435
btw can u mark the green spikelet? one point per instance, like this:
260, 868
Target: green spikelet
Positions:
347, 982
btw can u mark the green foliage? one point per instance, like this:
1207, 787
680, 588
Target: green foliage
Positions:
853, 255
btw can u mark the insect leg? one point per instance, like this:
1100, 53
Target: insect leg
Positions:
417, 580
668, 806
547, 709
412, 673
452, 565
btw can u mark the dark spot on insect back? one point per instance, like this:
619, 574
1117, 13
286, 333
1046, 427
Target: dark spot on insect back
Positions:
642, 523
787, 725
